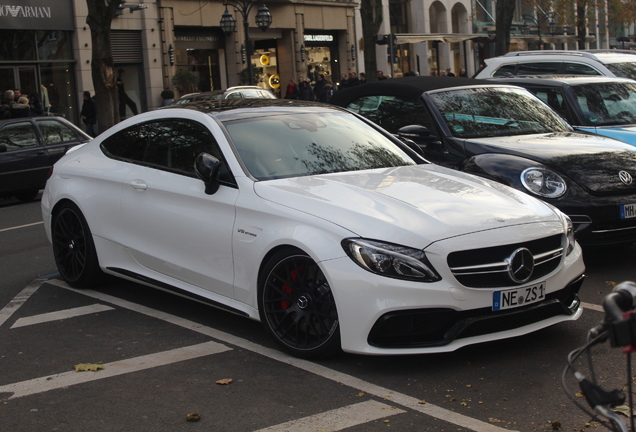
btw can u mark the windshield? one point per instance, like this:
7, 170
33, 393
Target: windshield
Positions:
294, 145
495, 111
607, 104
623, 70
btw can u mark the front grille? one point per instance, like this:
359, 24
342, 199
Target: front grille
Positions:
437, 327
488, 267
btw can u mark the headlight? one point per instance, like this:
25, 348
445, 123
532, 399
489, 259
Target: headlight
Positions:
391, 260
543, 182
569, 229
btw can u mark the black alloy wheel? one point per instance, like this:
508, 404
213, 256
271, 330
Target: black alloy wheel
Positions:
73, 247
297, 306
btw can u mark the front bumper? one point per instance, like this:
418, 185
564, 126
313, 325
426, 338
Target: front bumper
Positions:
380, 315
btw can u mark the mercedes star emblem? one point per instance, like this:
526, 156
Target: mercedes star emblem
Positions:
520, 265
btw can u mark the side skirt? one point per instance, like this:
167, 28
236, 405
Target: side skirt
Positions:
178, 291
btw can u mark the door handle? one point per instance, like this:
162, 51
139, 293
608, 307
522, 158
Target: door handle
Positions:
138, 185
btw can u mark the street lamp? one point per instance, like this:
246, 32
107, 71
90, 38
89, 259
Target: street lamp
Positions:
228, 25
538, 22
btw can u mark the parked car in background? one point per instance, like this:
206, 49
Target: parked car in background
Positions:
555, 62
505, 133
600, 105
28, 149
328, 230
237, 92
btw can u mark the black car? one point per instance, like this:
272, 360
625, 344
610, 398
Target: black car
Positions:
504, 133
601, 105
28, 149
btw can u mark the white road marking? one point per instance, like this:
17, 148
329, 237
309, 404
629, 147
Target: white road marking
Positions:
593, 307
19, 300
21, 226
52, 382
339, 377
60, 315
338, 419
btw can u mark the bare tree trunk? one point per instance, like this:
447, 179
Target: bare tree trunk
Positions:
581, 23
99, 19
371, 14
504, 12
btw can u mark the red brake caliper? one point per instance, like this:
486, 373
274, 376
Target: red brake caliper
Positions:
293, 275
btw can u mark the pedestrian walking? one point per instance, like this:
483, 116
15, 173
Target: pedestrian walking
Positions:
124, 100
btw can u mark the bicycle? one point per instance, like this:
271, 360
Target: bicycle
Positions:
619, 326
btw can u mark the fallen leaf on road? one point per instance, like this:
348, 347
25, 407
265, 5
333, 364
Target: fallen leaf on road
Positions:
85, 367
623, 409
225, 381
193, 417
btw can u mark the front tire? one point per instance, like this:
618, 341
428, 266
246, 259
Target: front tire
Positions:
73, 247
297, 307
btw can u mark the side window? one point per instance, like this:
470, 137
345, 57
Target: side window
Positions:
170, 144
128, 145
18, 136
54, 132
505, 70
580, 69
552, 97
541, 68
234, 95
392, 112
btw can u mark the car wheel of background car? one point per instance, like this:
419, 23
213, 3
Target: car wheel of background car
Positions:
73, 247
297, 306
26, 196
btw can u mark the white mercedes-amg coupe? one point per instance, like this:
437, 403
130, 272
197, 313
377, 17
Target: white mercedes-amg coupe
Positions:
329, 230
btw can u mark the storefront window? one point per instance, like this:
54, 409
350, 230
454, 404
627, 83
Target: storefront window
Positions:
266, 74
54, 45
204, 64
321, 50
319, 63
17, 45
56, 90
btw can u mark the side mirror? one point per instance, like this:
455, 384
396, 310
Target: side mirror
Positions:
416, 133
207, 168
3, 148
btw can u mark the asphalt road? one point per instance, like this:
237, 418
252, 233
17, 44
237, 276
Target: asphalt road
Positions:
163, 355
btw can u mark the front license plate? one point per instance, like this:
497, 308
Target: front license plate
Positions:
518, 297
628, 211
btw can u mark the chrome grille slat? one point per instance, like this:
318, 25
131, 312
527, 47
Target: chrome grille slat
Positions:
488, 267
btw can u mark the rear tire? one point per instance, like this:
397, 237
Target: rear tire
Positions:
73, 247
297, 307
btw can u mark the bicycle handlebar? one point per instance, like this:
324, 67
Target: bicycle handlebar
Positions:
621, 299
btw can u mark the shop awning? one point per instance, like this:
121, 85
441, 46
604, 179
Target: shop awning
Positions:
403, 38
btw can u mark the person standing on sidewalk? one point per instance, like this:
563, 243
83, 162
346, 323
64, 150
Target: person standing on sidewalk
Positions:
89, 114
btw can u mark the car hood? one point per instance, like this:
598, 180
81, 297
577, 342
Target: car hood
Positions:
626, 133
591, 161
413, 205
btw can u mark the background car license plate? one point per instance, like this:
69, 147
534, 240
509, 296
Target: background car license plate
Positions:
518, 297
628, 211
